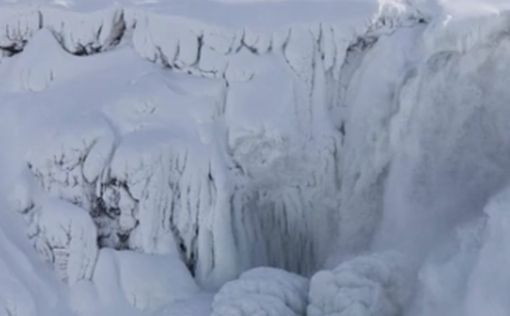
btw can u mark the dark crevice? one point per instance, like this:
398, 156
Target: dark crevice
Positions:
200, 45
13, 49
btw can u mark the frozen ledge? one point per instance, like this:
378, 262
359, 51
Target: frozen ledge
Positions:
193, 46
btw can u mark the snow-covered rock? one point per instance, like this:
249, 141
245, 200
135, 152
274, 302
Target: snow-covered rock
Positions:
262, 291
71, 167
85, 33
375, 284
17, 25
65, 236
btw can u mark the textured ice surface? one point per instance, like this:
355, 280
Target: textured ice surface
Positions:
368, 285
65, 235
262, 291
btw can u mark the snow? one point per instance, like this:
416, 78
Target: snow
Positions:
147, 282
81, 33
65, 236
17, 27
262, 291
254, 157
375, 284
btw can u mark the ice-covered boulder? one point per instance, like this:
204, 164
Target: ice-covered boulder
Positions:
77, 33
67, 163
377, 284
157, 186
262, 291
85, 33
65, 236
17, 25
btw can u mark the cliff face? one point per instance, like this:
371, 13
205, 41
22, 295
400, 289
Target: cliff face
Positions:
142, 141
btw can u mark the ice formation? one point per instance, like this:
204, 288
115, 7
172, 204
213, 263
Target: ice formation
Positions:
65, 236
375, 284
262, 291
157, 153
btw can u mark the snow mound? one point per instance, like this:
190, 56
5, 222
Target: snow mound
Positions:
262, 291
375, 284
146, 282
15, 299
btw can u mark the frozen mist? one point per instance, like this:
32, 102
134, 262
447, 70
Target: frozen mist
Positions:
254, 157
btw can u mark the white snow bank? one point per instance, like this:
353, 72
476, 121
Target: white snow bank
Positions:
147, 282
35, 69
199, 305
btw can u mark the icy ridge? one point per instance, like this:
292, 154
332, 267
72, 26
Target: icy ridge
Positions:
190, 45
